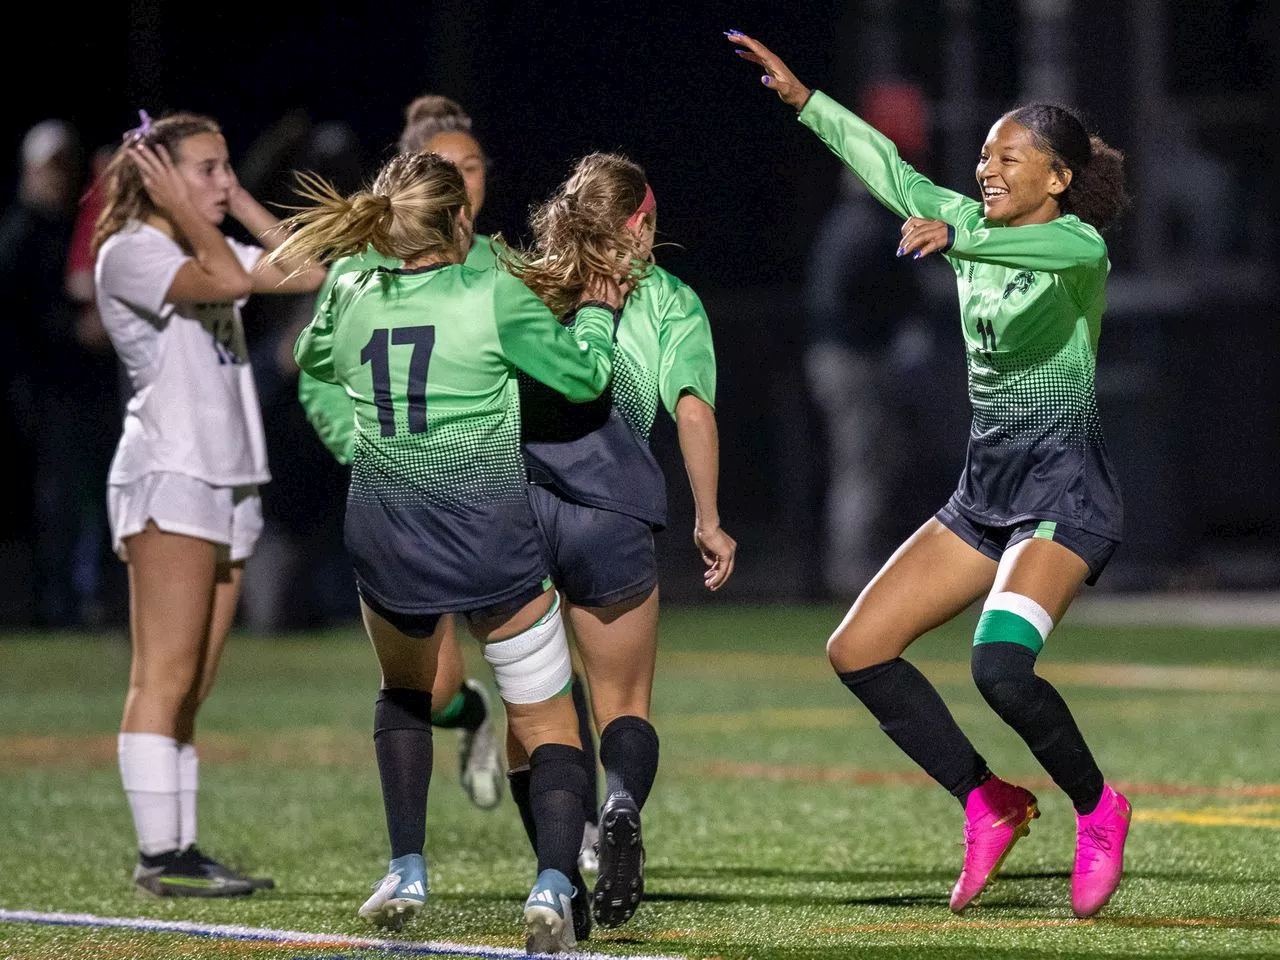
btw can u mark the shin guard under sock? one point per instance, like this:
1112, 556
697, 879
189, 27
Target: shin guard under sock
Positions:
1006, 678
403, 744
557, 791
629, 754
912, 713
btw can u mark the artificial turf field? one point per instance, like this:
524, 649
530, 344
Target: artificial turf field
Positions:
783, 823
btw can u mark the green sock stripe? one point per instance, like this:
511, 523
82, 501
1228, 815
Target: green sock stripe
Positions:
451, 711
1045, 530
1001, 626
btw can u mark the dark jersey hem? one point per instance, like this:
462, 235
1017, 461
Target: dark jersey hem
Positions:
658, 522
463, 605
1000, 520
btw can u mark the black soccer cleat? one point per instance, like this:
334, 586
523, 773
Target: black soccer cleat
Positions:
183, 875
620, 880
213, 868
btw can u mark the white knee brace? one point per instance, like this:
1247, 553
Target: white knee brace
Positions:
532, 666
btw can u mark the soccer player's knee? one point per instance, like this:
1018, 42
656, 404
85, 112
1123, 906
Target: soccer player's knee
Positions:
534, 665
1010, 634
853, 648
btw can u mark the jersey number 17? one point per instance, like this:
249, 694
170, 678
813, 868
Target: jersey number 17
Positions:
376, 353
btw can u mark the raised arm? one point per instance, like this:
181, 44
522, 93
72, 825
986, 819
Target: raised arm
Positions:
213, 273
577, 364
868, 153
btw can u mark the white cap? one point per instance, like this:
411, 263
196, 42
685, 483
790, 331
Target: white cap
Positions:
46, 140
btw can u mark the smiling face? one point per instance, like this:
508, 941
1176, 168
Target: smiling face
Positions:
465, 153
203, 162
1018, 182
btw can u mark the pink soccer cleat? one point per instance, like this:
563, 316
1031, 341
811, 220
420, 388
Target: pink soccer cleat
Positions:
996, 816
1100, 838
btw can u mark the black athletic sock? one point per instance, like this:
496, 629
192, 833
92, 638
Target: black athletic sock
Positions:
1006, 678
915, 718
402, 742
518, 783
466, 711
629, 753
586, 733
518, 780
557, 787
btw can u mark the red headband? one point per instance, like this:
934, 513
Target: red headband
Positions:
647, 205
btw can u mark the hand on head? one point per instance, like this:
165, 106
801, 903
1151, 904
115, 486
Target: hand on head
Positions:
160, 178
777, 76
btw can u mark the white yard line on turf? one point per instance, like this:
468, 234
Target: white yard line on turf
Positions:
1224, 609
296, 938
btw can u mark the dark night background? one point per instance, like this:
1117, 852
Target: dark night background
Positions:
1186, 372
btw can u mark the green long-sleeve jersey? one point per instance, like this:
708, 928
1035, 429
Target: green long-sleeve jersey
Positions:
1031, 305
328, 408
437, 515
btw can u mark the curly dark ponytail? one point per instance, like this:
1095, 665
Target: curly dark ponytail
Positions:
1097, 193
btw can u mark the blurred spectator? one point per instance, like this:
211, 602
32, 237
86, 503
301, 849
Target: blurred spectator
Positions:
98, 571
300, 575
59, 382
860, 306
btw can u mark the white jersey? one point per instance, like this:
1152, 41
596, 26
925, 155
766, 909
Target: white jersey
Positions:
194, 408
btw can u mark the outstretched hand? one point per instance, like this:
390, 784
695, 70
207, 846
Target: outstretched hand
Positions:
777, 75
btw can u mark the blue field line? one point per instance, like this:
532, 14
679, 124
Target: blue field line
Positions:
297, 938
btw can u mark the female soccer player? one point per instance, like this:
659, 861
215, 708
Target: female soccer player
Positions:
1037, 512
439, 125
438, 520
599, 494
182, 493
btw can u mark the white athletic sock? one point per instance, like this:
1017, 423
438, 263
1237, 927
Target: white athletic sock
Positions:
149, 772
188, 782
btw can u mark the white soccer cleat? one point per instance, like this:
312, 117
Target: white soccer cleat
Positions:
480, 765
589, 852
399, 895
548, 914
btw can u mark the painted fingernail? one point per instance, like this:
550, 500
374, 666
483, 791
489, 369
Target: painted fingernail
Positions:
916, 255
766, 81
900, 252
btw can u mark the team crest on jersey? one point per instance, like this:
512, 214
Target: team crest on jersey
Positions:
1019, 284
